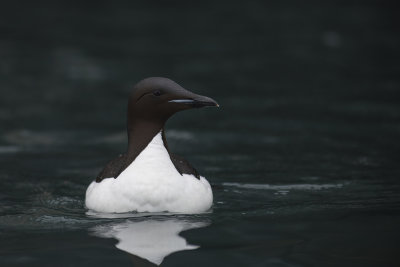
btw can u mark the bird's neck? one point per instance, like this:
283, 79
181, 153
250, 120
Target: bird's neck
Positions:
140, 134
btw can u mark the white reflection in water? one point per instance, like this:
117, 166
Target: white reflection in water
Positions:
152, 239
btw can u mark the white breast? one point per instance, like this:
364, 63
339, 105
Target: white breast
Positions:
151, 184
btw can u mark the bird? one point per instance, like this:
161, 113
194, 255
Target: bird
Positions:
148, 177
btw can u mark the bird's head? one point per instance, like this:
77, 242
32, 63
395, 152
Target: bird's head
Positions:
156, 99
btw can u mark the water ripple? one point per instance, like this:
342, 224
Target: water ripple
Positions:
285, 187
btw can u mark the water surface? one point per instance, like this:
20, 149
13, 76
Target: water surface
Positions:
302, 155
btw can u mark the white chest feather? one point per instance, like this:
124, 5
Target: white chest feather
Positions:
151, 183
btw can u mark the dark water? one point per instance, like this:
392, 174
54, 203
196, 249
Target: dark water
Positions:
303, 154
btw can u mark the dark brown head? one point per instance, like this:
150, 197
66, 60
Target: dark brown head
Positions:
156, 99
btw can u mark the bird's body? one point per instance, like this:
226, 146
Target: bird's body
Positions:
151, 183
148, 178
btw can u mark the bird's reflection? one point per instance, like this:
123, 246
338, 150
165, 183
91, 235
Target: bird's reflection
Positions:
149, 240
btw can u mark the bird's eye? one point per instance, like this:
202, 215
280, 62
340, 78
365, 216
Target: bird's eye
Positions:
157, 93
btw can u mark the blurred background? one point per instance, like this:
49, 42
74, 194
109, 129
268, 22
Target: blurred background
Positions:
309, 95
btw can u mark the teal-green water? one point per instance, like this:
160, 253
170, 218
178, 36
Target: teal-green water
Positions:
302, 155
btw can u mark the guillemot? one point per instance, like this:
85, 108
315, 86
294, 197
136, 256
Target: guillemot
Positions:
148, 177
